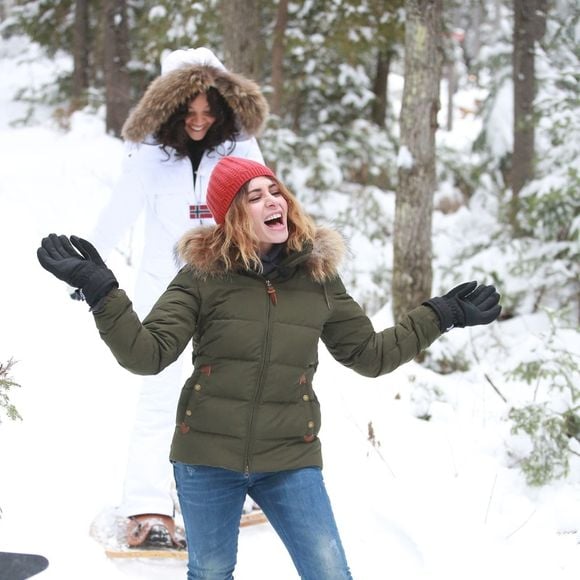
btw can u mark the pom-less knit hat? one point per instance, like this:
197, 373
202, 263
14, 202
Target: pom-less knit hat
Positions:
226, 180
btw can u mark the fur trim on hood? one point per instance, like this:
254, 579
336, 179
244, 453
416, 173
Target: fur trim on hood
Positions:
321, 264
167, 92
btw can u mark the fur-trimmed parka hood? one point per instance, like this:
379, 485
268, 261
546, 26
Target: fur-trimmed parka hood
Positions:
176, 87
321, 261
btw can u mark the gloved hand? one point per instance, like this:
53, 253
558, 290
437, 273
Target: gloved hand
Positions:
85, 271
466, 305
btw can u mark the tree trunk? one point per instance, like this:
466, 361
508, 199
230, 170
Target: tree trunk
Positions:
278, 49
451, 90
524, 92
243, 44
116, 57
529, 24
412, 269
476, 22
380, 86
80, 55
452, 48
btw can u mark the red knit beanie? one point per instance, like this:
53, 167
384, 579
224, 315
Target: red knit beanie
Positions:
227, 179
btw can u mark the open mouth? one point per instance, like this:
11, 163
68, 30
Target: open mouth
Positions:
274, 220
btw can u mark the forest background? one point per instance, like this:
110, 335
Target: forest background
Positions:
363, 97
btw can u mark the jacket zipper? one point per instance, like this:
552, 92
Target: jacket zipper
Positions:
271, 291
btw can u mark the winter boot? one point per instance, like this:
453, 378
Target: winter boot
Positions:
154, 531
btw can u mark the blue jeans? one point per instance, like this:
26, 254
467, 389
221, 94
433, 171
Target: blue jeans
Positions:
295, 502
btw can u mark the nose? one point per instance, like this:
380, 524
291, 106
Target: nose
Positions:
270, 199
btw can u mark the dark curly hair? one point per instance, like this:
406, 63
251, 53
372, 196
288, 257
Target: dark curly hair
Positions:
173, 134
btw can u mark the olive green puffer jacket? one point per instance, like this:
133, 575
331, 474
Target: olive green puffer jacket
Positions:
249, 404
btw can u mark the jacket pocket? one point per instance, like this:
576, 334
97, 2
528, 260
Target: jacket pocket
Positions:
185, 403
310, 404
204, 410
171, 203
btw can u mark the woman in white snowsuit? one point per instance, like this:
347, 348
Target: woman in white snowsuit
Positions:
189, 118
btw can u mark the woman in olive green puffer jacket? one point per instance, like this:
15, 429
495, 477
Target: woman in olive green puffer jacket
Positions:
258, 292
249, 404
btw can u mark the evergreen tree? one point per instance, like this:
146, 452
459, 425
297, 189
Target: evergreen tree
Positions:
6, 384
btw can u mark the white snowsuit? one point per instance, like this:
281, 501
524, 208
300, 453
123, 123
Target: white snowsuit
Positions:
164, 189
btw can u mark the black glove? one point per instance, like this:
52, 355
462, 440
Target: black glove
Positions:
466, 305
86, 271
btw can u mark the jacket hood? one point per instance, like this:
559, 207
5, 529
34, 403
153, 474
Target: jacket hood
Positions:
321, 261
167, 92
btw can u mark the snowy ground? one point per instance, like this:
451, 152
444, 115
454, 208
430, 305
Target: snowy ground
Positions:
429, 500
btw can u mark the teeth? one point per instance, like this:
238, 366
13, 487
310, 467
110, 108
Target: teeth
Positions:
275, 216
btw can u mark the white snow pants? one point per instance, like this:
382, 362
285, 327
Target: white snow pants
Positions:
148, 478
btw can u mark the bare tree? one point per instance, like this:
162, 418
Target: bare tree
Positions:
278, 49
243, 44
116, 57
529, 27
412, 270
80, 54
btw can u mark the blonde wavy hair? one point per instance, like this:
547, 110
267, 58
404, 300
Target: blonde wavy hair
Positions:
236, 242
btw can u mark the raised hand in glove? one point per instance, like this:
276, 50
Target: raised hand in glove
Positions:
85, 270
466, 305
